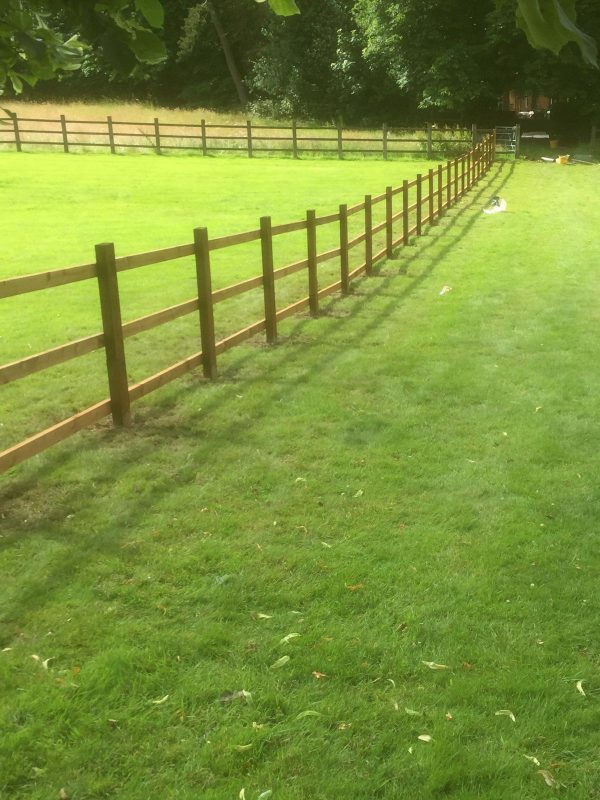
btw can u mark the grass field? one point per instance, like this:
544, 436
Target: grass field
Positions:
61, 206
133, 131
362, 563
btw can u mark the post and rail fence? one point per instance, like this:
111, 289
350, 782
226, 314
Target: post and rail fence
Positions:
24, 133
423, 201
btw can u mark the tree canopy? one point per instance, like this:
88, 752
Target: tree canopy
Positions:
358, 58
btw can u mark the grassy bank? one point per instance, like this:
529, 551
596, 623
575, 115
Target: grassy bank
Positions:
382, 530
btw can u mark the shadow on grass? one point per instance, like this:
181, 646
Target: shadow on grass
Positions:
43, 497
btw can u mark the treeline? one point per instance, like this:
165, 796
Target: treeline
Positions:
366, 61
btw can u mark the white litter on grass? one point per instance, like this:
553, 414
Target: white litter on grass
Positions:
445, 290
498, 206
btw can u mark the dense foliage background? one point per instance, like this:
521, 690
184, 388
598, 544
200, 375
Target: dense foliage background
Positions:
363, 60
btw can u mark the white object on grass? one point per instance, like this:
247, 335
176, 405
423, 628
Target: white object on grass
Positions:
496, 209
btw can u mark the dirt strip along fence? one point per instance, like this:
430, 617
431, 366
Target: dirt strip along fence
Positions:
421, 201
24, 133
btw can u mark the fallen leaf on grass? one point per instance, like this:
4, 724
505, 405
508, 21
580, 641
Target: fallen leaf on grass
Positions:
449, 716
533, 759
580, 688
425, 737
343, 726
359, 493
288, 638
241, 747
318, 675
263, 616
6, 649
264, 795
242, 794
280, 662
354, 587
43, 663
161, 701
505, 712
445, 290
308, 713
62, 795
433, 665
325, 544
412, 713
547, 776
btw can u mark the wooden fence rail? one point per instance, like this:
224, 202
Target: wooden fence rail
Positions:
460, 175
205, 138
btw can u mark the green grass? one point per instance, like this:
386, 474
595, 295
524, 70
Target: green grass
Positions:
408, 478
61, 206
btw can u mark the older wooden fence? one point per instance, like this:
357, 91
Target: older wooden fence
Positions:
422, 201
206, 138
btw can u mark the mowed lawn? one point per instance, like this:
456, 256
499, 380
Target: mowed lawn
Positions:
56, 207
361, 564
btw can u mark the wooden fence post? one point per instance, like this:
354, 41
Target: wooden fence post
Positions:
517, 141
404, 213
430, 197
455, 179
63, 127
389, 222
440, 183
385, 141
249, 136
157, 135
266, 242
429, 141
448, 183
419, 203
17, 133
111, 135
110, 307
462, 175
368, 235
205, 303
340, 141
344, 253
203, 135
295, 138
468, 172
311, 248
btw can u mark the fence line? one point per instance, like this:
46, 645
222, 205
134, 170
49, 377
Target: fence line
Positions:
206, 138
460, 175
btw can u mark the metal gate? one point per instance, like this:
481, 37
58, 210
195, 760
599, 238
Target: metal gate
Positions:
507, 139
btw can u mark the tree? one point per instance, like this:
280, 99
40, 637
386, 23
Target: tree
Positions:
41, 38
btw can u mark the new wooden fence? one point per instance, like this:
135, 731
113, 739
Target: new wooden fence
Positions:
29, 132
422, 201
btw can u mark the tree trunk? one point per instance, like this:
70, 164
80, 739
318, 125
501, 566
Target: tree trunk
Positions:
227, 52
